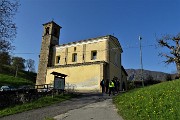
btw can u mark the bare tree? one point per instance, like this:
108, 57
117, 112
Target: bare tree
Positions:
30, 65
18, 64
172, 43
8, 9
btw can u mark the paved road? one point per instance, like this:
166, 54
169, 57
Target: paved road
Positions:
103, 110
85, 105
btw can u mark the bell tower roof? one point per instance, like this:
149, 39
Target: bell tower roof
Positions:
51, 28
51, 22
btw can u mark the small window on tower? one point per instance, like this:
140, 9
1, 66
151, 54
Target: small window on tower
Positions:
47, 31
93, 55
58, 59
74, 57
74, 48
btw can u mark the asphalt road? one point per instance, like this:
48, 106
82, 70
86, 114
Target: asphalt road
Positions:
87, 107
103, 110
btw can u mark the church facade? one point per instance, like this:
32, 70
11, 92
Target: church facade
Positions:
85, 62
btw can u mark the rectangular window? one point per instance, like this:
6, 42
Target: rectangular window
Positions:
58, 59
74, 57
93, 55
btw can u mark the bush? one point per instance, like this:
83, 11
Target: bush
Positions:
130, 85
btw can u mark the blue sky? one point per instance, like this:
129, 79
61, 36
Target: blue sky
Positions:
83, 19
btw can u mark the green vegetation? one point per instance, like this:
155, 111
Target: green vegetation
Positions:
23, 77
26, 78
41, 102
157, 102
10, 80
48, 118
9, 70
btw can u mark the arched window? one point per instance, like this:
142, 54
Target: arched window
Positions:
47, 31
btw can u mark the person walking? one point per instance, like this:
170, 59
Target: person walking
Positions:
107, 86
102, 85
111, 87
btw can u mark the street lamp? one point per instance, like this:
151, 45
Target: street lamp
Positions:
140, 38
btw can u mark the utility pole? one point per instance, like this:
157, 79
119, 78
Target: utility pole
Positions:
141, 61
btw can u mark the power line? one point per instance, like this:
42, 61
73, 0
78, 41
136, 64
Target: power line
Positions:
152, 45
25, 53
129, 47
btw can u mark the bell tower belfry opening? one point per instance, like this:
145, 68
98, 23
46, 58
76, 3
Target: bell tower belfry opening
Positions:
50, 38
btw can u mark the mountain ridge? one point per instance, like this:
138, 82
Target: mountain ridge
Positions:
135, 74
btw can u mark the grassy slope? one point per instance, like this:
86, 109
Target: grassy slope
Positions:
9, 70
157, 102
41, 102
10, 80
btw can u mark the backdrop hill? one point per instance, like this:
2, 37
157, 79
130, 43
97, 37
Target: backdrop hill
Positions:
134, 74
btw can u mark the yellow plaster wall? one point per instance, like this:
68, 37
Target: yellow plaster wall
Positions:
66, 52
101, 51
79, 52
87, 77
62, 57
84, 78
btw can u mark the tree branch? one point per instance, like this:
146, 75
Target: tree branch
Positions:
163, 43
169, 60
174, 49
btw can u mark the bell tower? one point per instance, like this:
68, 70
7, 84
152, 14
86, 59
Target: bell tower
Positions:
50, 38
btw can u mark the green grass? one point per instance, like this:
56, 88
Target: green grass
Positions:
9, 70
10, 80
157, 102
44, 101
48, 118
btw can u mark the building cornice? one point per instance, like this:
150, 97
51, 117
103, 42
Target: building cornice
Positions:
78, 64
81, 42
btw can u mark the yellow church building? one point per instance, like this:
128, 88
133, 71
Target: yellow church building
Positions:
85, 62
